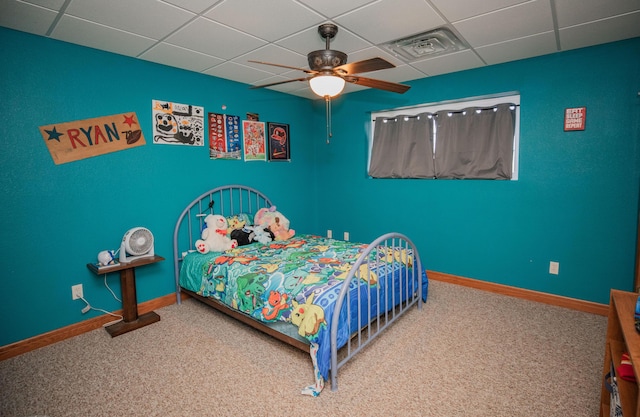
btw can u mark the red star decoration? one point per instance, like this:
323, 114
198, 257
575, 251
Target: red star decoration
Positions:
129, 120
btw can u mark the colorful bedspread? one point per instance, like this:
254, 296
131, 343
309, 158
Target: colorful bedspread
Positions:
298, 281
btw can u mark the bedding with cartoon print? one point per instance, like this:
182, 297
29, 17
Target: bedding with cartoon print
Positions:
298, 281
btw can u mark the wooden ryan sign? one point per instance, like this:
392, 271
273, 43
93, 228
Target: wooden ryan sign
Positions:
72, 141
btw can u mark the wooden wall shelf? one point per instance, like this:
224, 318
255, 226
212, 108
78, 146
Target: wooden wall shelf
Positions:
622, 337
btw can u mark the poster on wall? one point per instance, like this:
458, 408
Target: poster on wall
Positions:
278, 134
575, 118
224, 136
177, 124
254, 141
72, 141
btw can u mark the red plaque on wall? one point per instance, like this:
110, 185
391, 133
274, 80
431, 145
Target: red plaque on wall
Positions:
575, 118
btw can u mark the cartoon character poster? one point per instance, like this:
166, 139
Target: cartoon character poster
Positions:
224, 136
177, 124
278, 141
254, 141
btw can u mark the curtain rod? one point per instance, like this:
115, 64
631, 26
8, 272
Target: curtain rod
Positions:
435, 114
489, 97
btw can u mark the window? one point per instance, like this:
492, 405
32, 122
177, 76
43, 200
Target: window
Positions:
471, 139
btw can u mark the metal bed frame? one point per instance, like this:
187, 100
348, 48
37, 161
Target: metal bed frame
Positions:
234, 199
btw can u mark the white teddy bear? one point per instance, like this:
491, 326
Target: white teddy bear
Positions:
214, 236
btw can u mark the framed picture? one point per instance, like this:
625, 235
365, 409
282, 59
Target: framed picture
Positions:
224, 136
278, 134
575, 118
254, 141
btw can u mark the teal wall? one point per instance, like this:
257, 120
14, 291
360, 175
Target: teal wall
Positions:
56, 218
576, 201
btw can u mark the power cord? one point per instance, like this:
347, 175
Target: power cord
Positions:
109, 288
88, 307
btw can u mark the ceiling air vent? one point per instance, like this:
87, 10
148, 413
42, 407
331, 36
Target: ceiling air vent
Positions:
425, 45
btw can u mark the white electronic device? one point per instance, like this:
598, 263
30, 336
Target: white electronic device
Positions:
137, 243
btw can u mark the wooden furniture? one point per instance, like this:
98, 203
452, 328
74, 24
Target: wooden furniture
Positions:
636, 281
130, 318
622, 337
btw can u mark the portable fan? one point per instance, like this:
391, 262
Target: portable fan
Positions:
136, 243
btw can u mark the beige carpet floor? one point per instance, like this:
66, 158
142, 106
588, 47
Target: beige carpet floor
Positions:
466, 353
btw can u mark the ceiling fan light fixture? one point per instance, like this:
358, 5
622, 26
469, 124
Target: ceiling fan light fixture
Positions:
327, 85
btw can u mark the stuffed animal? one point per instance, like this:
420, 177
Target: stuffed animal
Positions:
262, 235
250, 234
237, 221
275, 221
214, 236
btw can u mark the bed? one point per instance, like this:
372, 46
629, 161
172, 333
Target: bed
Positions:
327, 297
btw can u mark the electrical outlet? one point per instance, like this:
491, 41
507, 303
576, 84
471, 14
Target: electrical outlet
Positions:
329, 234
76, 292
554, 268
346, 236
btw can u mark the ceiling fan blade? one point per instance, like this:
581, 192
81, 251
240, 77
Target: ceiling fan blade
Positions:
278, 82
379, 84
284, 66
367, 65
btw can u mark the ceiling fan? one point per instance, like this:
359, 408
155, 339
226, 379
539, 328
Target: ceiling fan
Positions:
329, 71
329, 63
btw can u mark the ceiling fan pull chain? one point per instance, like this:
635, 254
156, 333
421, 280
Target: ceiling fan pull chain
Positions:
327, 101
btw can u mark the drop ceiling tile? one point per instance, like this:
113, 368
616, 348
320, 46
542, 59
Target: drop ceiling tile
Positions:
514, 22
301, 86
211, 38
396, 75
310, 40
527, 47
175, 56
374, 52
443, 64
601, 31
273, 54
497, 30
49, 4
82, 32
270, 78
150, 18
270, 20
387, 20
463, 9
404, 73
24, 17
196, 6
574, 12
331, 9
236, 72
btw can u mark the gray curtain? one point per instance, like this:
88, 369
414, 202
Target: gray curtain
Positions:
475, 142
402, 147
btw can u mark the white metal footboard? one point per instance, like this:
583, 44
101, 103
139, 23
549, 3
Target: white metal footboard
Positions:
225, 200
409, 285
